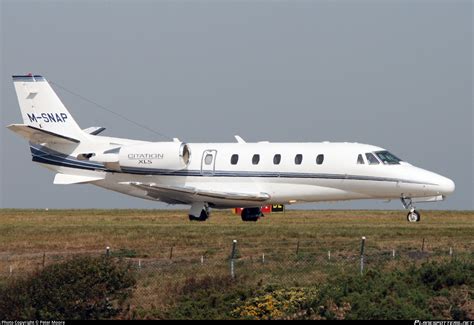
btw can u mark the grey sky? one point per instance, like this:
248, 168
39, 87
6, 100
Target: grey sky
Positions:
396, 74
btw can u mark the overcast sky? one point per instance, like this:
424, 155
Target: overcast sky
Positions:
397, 74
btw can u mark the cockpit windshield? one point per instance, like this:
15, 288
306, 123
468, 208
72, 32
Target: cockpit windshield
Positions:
387, 158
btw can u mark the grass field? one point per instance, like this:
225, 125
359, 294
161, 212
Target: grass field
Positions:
152, 232
174, 247
30, 238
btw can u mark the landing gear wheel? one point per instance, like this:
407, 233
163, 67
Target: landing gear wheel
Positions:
199, 212
413, 216
251, 214
202, 217
251, 219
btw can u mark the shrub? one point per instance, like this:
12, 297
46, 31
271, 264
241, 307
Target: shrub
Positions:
424, 292
81, 288
277, 304
432, 291
455, 273
208, 297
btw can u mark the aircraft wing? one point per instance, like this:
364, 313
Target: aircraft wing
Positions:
65, 179
188, 194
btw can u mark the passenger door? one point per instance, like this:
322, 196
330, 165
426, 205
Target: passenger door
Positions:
208, 162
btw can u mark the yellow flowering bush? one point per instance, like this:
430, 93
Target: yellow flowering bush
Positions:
277, 304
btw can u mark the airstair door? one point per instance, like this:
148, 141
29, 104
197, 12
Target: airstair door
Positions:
208, 162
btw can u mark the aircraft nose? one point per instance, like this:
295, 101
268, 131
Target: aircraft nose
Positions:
446, 185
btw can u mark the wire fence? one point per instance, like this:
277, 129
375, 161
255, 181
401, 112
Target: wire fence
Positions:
301, 260
163, 275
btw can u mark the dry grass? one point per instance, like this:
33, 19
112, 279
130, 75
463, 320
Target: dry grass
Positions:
150, 234
147, 235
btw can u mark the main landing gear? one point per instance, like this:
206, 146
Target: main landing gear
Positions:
413, 215
199, 212
251, 214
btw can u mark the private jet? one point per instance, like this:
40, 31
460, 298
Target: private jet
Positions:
215, 175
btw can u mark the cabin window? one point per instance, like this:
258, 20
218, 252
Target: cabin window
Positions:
360, 160
208, 159
255, 159
371, 159
298, 159
320, 159
234, 159
388, 158
277, 159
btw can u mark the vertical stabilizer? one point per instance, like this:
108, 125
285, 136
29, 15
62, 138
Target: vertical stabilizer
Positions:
41, 108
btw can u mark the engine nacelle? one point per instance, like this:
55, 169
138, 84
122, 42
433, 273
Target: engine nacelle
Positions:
156, 155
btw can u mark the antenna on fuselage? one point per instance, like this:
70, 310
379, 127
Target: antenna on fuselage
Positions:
239, 139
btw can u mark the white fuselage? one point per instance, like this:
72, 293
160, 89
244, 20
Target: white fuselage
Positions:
295, 179
217, 175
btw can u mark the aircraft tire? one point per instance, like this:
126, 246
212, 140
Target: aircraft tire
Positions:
202, 217
413, 216
251, 214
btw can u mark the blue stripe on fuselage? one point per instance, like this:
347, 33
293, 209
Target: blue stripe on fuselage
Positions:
59, 158
48, 156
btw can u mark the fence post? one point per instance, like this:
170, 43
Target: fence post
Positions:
451, 252
362, 248
393, 253
297, 248
263, 258
107, 251
202, 259
232, 257
44, 259
423, 245
329, 255
171, 253
11, 270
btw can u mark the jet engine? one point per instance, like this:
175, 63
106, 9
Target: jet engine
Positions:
155, 155
164, 155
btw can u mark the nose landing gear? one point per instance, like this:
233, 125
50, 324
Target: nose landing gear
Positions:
413, 215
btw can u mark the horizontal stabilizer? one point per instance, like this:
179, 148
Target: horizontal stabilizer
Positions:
36, 135
66, 179
94, 130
